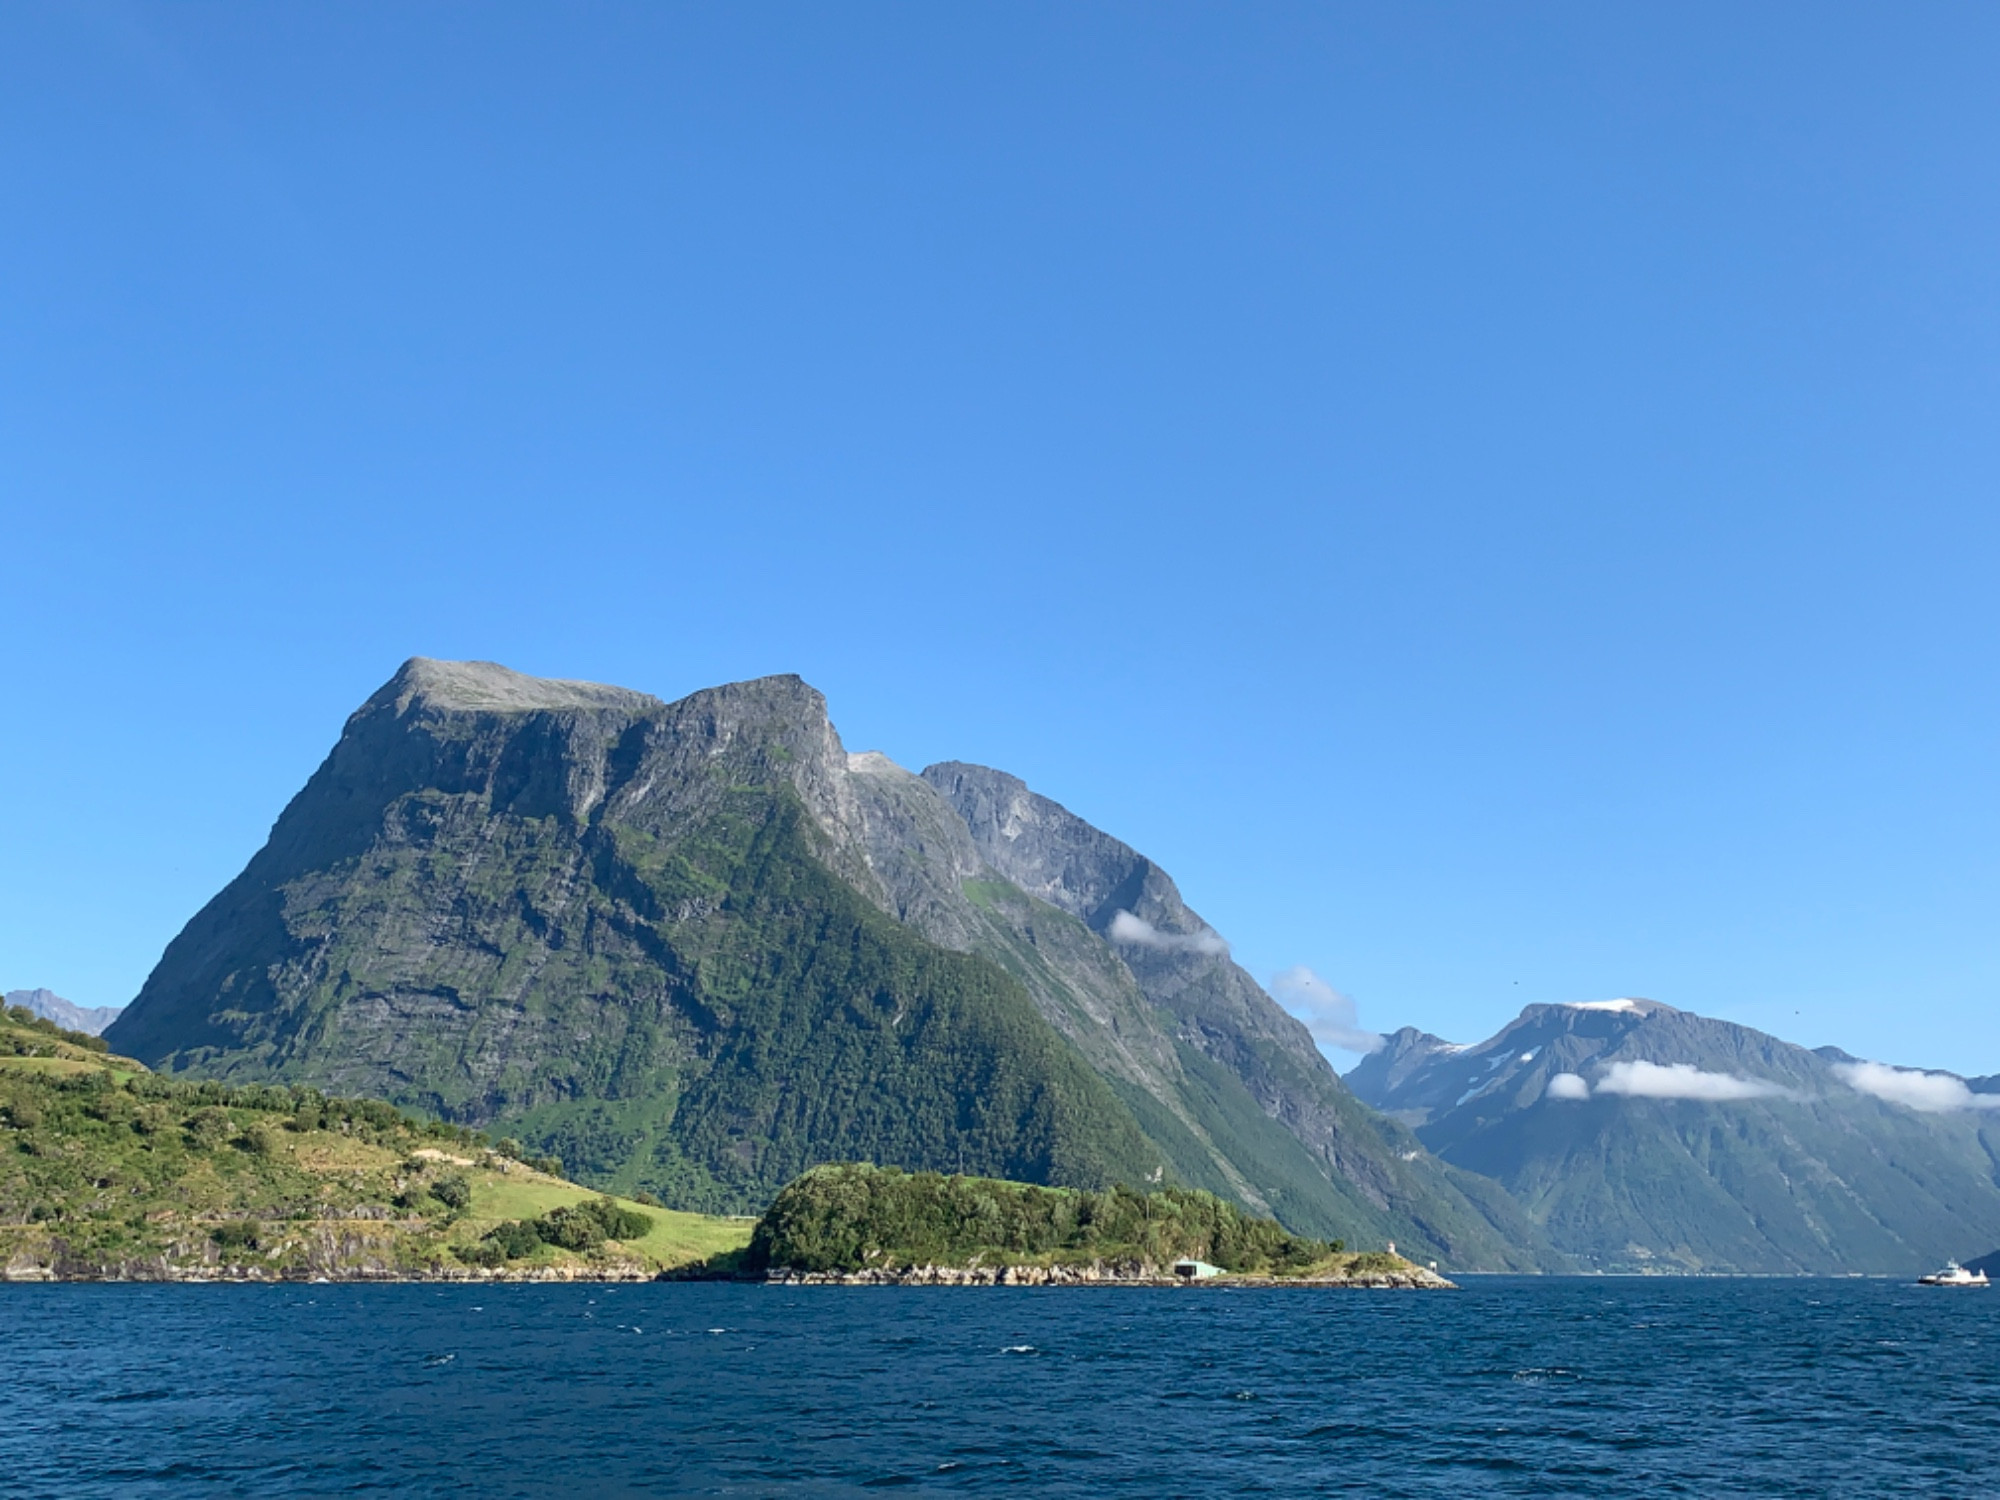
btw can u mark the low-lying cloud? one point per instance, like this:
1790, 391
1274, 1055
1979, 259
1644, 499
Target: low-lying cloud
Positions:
1930, 1093
1329, 1015
1126, 928
1647, 1080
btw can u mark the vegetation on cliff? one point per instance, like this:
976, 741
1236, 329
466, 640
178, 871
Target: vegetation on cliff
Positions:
855, 1217
107, 1169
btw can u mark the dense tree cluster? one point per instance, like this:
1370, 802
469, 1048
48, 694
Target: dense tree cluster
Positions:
851, 1217
581, 1226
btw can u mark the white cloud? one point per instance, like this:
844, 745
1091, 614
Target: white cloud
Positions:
1126, 928
1932, 1093
1600, 1004
1645, 1080
1566, 1086
1329, 1015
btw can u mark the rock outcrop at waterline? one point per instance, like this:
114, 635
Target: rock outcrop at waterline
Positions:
1412, 1278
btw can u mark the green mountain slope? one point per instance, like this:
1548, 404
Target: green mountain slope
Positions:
620, 929
1696, 1145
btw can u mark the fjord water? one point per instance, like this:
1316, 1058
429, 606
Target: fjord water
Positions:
1509, 1387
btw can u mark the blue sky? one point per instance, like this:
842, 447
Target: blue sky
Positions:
1498, 501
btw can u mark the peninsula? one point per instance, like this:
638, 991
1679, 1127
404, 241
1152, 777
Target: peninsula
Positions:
855, 1224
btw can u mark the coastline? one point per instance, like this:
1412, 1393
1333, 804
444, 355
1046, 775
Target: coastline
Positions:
1415, 1279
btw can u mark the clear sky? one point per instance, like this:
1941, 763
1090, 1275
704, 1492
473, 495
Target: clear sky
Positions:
1498, 500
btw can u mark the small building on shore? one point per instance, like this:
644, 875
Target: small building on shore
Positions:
1195, 1270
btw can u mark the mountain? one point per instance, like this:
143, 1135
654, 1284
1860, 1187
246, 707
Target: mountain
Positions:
697, 947
629, 932
1642, 1137
88, 1019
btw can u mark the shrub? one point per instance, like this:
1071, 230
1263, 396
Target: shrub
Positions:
210, 1127
513, 1239
622, 1223
237, 1234
258, 1140
454, 1191
1376, 1262
572, 1228
550, 1164
508, 1147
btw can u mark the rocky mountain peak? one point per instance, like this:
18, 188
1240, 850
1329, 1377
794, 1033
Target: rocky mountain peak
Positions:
89, 1019
488, 687
1403, 1054
1058, 857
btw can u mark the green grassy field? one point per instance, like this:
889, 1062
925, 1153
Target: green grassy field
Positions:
675, 1239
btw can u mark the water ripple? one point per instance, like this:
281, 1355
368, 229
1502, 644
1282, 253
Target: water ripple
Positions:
1510, 1388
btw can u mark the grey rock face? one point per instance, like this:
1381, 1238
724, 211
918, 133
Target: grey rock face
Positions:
1179, 963
472, 758
89, 1019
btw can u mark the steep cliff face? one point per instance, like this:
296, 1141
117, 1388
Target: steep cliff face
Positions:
1643, 1137
1219, 1055
639, 934
1180, 964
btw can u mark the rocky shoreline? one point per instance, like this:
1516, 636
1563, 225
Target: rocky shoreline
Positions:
1093, 1274
255, 1275
1416, 1278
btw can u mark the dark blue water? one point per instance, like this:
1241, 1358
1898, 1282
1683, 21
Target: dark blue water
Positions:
1510, 1387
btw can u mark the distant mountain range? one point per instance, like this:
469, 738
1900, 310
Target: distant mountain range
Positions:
1642, 1137
89, 1019
696, 947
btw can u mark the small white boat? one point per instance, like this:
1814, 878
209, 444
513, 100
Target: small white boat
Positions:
1953, 1274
